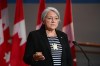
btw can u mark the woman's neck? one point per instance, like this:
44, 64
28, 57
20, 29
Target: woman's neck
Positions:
51, 33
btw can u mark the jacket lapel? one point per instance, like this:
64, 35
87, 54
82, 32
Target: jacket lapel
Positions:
63, 43
44, 40
61, 38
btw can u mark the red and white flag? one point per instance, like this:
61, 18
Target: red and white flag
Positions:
19, 36
1, 37
41, 8
5, 47
68, 28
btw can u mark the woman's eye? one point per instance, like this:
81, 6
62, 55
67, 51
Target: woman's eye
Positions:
56, 18
49, 18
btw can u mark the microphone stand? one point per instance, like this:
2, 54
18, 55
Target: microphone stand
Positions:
75, 43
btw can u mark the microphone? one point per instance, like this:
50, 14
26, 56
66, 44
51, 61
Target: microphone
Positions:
75, 43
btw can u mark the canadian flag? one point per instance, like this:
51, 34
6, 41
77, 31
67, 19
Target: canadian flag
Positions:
5, 46
41, 8
1, 37
68, 28
19, 36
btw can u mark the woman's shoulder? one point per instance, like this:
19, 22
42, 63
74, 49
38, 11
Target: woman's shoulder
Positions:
33, 32
61, 33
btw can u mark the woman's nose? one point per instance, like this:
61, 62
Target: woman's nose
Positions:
53, 20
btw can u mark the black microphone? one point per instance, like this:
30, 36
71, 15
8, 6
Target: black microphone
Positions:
75, 43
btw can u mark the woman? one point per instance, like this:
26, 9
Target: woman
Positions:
48, 46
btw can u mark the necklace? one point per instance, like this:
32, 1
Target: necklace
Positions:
54, 45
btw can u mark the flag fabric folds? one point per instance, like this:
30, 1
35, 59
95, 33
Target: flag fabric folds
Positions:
19, 36
5, 46
40, 10
68, 28
1, 33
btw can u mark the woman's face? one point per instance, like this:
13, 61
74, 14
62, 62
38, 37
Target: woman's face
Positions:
51, 20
